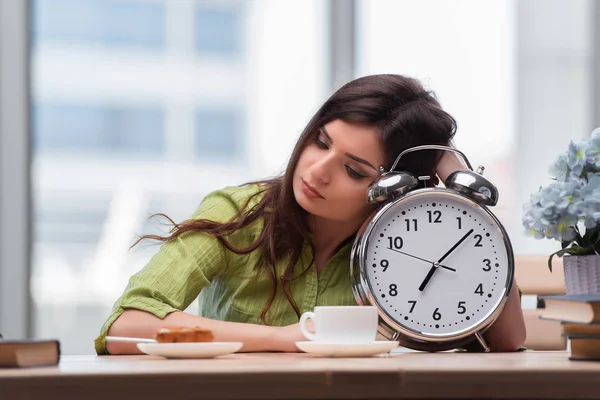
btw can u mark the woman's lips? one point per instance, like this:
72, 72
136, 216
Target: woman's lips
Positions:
311, 191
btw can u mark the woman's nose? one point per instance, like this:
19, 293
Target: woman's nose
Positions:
321, 169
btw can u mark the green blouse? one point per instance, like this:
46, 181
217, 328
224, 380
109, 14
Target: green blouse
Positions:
227, 285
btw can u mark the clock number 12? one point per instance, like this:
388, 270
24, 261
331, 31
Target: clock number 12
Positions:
435, 216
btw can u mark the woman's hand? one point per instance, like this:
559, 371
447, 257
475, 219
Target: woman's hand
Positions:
287, 336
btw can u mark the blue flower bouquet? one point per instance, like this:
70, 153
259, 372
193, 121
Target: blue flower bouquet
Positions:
568, 209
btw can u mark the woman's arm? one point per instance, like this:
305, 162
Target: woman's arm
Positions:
174, 277
508, 332
137, 323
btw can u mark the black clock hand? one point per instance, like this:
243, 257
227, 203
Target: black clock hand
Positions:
435, 265
462, 239
419, 258
428, 277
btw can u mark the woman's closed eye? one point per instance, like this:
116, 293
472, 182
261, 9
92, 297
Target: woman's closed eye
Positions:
354, 174
321, 144
351, 172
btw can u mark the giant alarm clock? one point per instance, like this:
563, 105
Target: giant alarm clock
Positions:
435, 261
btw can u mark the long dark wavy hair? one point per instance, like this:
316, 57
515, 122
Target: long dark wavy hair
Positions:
405, 115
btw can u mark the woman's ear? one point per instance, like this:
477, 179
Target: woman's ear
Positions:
449, 163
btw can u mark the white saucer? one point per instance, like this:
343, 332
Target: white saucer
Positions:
190, 350
347, 349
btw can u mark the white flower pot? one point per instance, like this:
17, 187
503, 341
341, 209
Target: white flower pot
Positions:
582, 274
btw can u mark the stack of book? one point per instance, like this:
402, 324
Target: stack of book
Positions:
28, 353
580, 318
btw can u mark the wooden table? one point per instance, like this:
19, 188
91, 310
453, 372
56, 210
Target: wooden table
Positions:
548, 375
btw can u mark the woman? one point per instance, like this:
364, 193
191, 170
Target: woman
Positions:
260, 255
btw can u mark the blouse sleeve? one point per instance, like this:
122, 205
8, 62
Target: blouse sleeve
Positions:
176, 274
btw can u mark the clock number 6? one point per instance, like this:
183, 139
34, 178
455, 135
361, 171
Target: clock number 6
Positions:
436, 314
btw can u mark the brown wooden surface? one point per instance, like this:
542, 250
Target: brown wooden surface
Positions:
526, 375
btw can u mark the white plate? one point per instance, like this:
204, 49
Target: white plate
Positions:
347, 349
190, 350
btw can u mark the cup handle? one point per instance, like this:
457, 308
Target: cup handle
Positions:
305, 317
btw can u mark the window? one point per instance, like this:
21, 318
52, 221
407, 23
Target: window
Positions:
67, 220
218, 31
122, 131
218, 134
110, 130
103, 22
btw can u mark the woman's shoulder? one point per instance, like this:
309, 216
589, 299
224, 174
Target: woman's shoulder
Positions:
241, 194
228, 202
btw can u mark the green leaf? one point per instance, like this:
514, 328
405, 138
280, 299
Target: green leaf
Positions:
597, 247
594, 234
558, 253
580, 240
573, 250
581, 251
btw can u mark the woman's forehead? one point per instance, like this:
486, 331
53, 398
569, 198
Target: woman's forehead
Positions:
358, 139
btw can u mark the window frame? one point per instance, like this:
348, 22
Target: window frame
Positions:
15, 162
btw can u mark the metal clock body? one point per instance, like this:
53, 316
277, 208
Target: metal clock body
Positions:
437, 263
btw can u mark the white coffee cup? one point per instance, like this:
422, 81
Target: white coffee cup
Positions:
341, 324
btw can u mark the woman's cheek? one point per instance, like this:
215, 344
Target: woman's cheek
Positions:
353, 197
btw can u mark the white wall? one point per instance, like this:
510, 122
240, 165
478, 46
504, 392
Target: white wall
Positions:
287, 76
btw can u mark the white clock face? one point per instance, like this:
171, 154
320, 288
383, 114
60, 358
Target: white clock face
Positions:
437, 263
